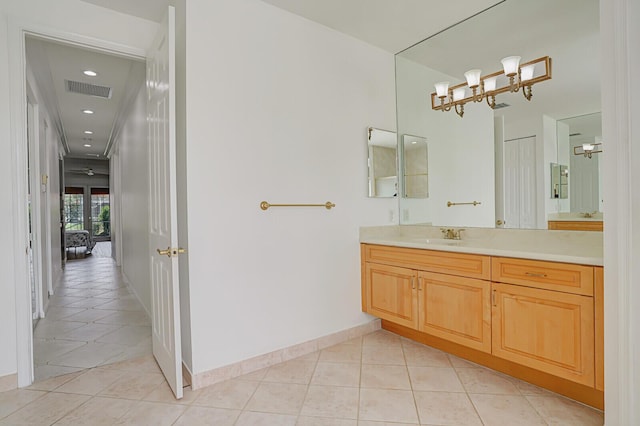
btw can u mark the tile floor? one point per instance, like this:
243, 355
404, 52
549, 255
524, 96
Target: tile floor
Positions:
380, 379
93, 319
93, 367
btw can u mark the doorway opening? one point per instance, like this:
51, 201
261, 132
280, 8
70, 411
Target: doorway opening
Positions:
88, 313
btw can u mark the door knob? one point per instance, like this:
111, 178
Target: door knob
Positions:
500, 222
166, 252
169, 252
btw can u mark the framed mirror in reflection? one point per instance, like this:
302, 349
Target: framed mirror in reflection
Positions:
499, 156
382, 163
579, 147
415, 170
559, 181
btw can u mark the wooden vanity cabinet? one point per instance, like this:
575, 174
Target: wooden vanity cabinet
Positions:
536, 320
438, 293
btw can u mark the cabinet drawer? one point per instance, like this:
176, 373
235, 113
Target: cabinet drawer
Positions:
565, 277
460, 264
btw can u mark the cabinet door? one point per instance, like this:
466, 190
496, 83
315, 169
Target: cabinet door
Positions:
391, 293
546, 330
456, 309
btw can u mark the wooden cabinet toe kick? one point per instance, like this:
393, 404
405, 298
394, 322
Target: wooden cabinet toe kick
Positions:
585, 394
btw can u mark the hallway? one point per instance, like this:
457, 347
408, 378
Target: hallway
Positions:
93, 319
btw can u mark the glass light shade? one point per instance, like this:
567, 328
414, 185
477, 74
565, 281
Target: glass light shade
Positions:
587, 147
473, 77
442, 89
526, 73
458, 94
489, 84
510, 65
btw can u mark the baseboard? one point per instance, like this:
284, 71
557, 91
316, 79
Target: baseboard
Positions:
250, 365
9, 382
186, 376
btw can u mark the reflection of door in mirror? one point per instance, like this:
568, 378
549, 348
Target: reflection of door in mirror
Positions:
415, 167
520, 183
382, 162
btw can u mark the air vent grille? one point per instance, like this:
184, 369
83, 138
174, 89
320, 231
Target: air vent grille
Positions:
88, 89
501, 105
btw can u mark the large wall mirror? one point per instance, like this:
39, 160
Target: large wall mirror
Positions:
382, 163
500, 157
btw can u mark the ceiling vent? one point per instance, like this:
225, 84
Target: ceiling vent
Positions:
88, 89
501, 105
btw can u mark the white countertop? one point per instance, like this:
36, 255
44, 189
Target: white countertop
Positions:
574, 217
580, 247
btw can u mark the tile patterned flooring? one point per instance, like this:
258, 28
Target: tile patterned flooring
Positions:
93, 319
100, 339
377, 380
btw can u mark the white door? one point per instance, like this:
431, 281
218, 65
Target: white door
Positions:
583, 184
520, 183
511, 185
161, 117
527, 180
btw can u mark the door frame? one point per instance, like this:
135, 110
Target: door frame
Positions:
17, 32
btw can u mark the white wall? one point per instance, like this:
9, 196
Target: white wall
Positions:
133, 198
48, 145
276, 110
461, 152
61, 17
53, 188
620, 30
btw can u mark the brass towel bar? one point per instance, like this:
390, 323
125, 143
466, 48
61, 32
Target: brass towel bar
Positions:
328, 205
475, 203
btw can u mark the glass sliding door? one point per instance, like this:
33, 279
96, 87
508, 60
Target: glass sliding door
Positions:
74, 208
100, 214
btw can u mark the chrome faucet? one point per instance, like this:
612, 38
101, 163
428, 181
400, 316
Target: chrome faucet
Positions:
451, 233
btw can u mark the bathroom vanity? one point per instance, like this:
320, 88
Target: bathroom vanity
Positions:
520, 302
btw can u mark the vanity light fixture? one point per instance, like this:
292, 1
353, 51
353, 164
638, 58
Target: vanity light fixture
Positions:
587, 149
513, 77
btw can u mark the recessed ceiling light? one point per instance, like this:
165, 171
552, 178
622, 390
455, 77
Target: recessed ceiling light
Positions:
87, 145
89, 73
87, 111
88, 132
